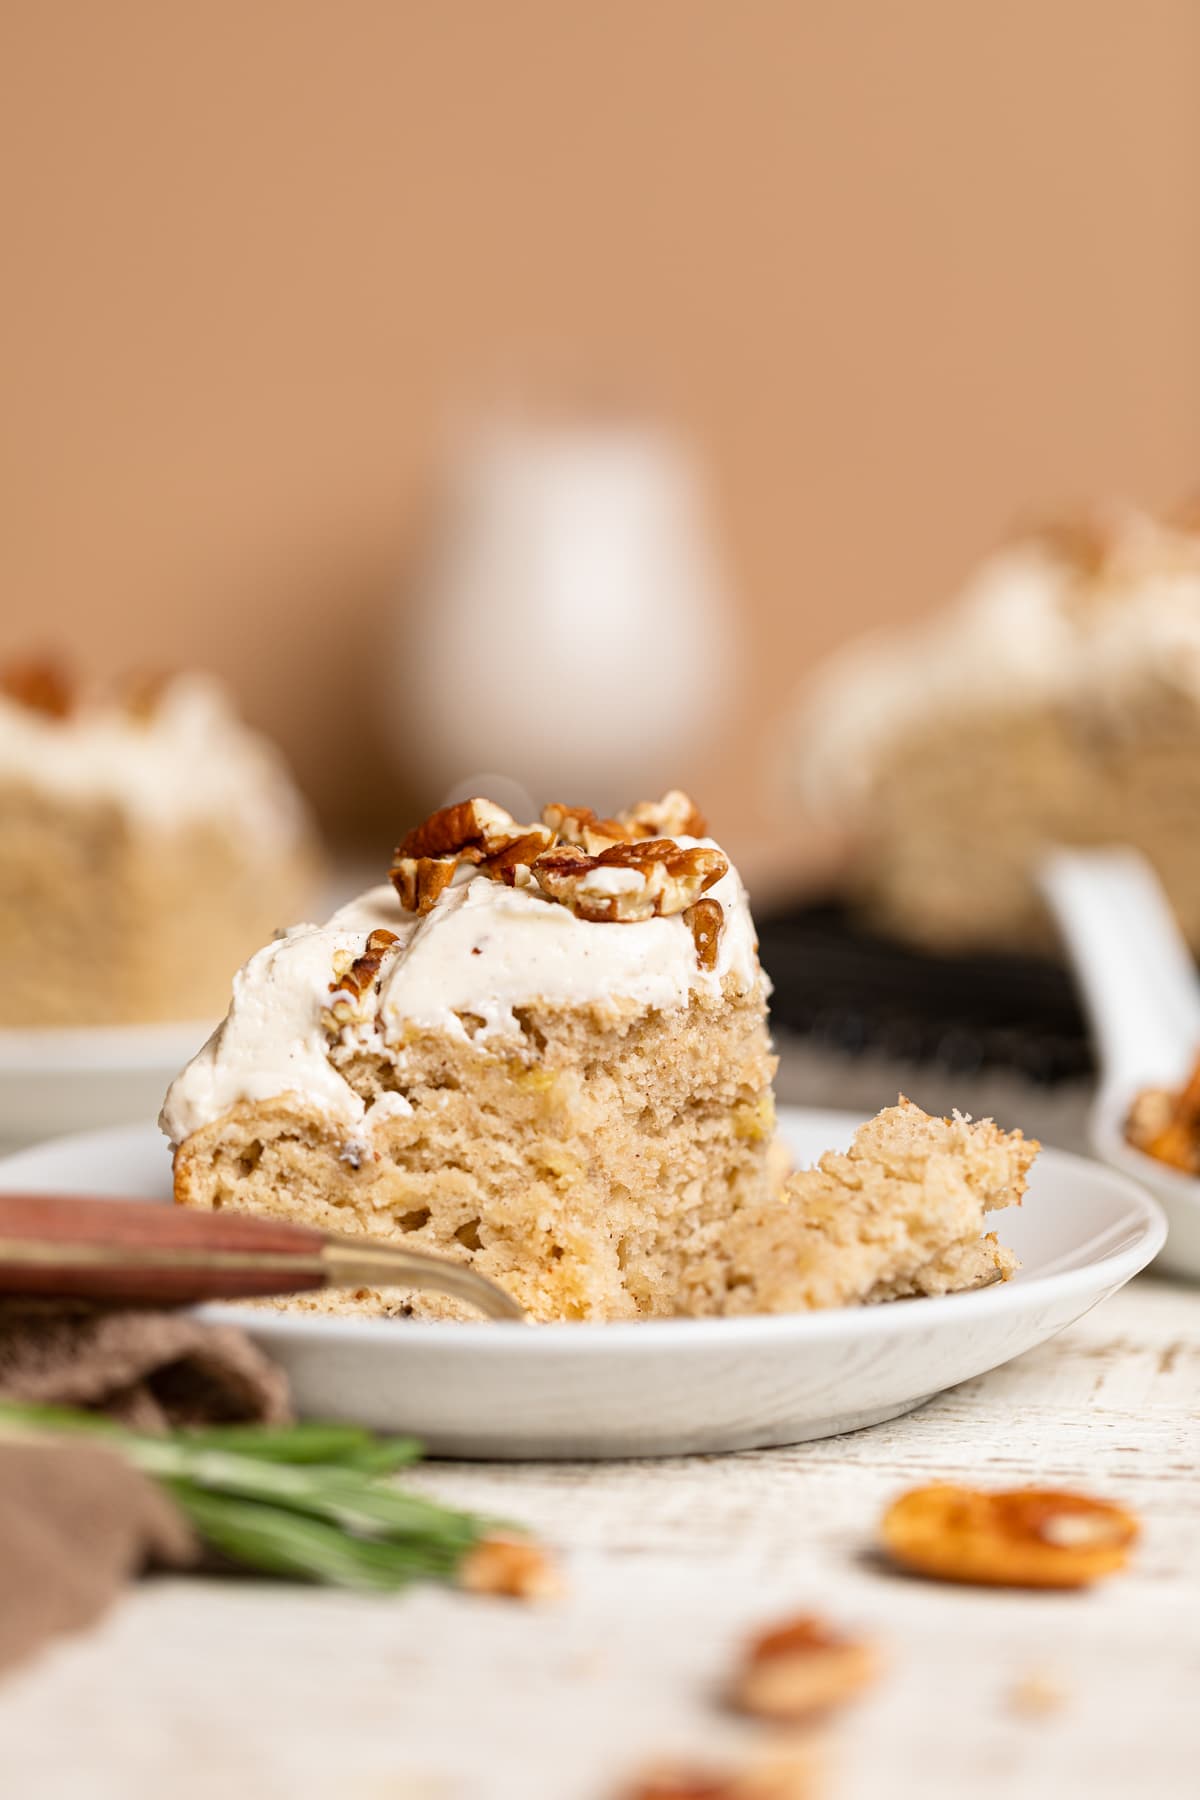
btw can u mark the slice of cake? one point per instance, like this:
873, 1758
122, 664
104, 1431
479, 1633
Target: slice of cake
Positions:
544, 1051
1058, 701
148, 841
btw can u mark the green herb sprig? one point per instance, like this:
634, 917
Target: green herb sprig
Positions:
308, 1502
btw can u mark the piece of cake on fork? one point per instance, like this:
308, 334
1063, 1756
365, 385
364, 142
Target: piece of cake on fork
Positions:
544, 1050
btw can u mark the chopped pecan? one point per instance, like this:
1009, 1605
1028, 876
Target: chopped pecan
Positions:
477, 825
1025, 1537
421, 880
673, 816
706, 920
509, 1567
41, 685
142, 694
511, 864
579, 825
1085, 541
363, 970
793, 1776
1166, 1124
355, 978
802, 1668
628, 883
1119, 545
453, 830
473, 831
679, 1781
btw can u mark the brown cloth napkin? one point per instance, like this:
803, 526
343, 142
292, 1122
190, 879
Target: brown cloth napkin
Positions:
76, 1521
151, 1369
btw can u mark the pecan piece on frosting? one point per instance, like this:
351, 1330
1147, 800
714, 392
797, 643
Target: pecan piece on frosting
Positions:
578, 825
421, 880
512, 862
1085, 542
802, 1668
362, 971
472, 831
628, 883
672, 816
1022, 1537
675, 815
706, 920
39, 684
351, 982
477, 826
143, 692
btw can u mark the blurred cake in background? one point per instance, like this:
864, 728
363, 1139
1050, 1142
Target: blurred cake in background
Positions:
1057, 701
148, 841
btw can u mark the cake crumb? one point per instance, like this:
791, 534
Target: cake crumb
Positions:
1037, 1694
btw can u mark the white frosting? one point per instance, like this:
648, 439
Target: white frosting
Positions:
1028, 630
483, 950
191, 758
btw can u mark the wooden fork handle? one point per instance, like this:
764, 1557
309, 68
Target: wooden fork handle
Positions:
137, 1253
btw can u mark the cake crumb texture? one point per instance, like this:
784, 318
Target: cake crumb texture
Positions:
581, 1165
899, 1214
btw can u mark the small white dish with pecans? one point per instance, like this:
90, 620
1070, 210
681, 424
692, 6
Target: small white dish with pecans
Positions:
1137, 979
676, 1386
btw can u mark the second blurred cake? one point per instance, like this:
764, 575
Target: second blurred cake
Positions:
1058, 701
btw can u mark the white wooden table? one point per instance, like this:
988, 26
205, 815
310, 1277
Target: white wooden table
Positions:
204, 1688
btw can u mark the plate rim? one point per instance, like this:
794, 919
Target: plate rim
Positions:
1099, 1277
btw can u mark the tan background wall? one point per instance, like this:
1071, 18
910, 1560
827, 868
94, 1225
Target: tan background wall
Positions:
905, 269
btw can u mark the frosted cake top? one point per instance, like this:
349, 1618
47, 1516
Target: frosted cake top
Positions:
495, 937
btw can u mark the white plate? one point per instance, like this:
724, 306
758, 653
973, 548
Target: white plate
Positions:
672, 1386
71, 1079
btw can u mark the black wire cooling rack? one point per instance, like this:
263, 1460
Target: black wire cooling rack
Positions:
840, 985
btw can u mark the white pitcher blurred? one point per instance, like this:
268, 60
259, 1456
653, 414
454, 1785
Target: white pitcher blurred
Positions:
570, 632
